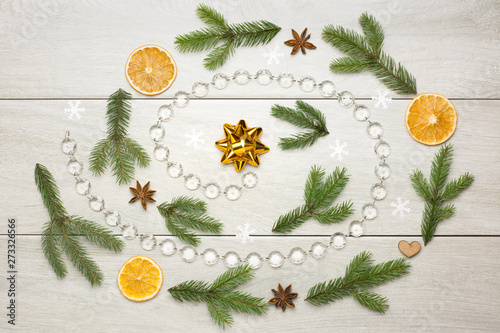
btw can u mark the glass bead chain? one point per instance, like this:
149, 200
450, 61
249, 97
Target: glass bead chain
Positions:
275, 259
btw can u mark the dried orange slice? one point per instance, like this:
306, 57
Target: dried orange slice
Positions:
140, 279
150, 69
431, 118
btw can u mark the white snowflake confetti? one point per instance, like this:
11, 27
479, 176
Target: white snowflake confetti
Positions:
339, 150
195, 138
382, 99
273, 55
400, 207
74, 109
244, 233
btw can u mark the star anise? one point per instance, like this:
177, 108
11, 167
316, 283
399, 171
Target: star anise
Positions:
142, 193
283, 297
300, 42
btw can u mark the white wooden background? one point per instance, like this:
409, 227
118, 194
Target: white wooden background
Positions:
57, 51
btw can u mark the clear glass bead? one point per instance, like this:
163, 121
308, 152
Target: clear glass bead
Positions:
241, 77
369, 211
82, 187
189, 253
254, 260
249, 179
181, 99
356, 229
264, 77
318, 250
161, 153
285, 80
74, 167
165, 112
167, 247
327, 88
232, 259
346, 99
129, 231
276, 259
156, 132
210, 257
148, 242
378, 192
96, 203
232, 192
192, 182
112, 218
338, 240
297, 255
375, 130
200, 89
220, 81
382, 149
174, 169
212, 190
68, 146
382, 171
361, 113
307, 84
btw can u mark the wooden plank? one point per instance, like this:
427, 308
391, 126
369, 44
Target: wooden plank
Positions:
31, 132
453, 286
62, 49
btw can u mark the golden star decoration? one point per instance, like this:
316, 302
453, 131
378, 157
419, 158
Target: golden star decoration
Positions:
241, 145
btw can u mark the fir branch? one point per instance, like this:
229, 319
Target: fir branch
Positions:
318, 195
210, 16
63, 231
304, 116
220, 296
360, 275
436, 191
185, 213
365, 52
244, 34
117, 150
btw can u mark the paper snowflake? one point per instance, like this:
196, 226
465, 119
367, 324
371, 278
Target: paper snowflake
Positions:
339, 150
195, 138
400, 207
244, 233
74, 109
382, 99
273, 55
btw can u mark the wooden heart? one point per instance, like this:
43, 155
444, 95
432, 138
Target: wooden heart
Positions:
409, 250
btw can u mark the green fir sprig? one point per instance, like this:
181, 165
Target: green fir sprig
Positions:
436, 191
365, 52
304, 116
223, 37
185, 213
360, 275
118, 150
319, 195
61, 233
220, 297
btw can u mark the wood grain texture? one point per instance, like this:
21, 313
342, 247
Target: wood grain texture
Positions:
55, 49
58, 51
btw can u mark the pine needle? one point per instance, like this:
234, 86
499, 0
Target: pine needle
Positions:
185, 213
304, 116
117, 150
231, 36
319, 194
436, 191
63, 231
365, 52
360, 275
220, 297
